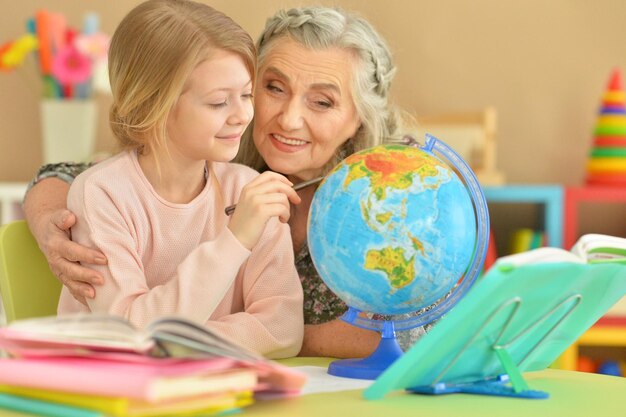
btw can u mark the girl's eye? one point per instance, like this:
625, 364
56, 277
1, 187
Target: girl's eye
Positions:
218, 105
248, 96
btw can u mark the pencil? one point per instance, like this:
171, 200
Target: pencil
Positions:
230, 209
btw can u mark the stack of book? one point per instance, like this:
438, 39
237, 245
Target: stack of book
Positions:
96, 365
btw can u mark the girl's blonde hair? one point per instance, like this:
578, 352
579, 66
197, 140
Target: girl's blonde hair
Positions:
320, 28
153, 51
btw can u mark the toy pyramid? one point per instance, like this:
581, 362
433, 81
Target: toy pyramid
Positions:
607, 160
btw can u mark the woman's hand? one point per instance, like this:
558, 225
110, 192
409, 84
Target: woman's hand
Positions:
338, 339
268, 195
53, 236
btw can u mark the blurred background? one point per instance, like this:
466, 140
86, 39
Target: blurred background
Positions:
543, 65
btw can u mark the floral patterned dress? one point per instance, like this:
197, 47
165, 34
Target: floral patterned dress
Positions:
65, 171
320, 303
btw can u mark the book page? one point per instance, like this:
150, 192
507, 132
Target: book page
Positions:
540, 255
319, 380
81, 331
601, 248
178, 337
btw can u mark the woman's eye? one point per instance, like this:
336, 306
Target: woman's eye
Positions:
323, 104
273, 88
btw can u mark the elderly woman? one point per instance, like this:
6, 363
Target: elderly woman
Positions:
321, 94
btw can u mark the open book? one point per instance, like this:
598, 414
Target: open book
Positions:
590, 248
90, 333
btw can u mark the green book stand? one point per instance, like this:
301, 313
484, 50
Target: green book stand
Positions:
514, 320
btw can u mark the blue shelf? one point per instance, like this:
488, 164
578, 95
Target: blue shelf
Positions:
550, 196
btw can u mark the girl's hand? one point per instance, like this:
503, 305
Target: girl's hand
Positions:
268, 195
63, 255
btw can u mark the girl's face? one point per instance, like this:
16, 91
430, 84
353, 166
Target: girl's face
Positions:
214, 109
304, 108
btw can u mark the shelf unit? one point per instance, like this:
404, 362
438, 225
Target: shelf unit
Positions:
604, 333
548, 196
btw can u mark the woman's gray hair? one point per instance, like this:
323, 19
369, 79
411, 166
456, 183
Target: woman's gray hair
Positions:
321, 28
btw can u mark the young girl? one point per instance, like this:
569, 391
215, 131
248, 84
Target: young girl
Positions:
182, 79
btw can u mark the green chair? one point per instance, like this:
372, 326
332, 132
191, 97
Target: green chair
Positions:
27, 285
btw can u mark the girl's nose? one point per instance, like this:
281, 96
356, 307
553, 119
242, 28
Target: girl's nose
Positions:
242, 112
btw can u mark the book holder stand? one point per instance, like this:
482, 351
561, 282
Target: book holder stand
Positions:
499, 384
514, 320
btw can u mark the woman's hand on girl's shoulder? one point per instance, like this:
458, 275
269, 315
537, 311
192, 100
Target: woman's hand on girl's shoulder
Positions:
64, 256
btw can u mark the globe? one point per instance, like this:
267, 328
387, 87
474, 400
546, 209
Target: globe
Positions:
394, 229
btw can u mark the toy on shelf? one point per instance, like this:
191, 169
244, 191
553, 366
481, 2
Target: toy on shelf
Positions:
607, 160
606, 367
610, 368
526, 239
586, 364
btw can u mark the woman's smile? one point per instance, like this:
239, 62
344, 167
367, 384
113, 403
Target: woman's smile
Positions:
287, 144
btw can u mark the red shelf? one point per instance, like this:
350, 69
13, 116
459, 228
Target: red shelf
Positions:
608, 331
576, 195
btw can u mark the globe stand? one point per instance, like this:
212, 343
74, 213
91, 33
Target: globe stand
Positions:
386, 353
388, 349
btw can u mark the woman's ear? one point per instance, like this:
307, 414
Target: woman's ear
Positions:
356, 132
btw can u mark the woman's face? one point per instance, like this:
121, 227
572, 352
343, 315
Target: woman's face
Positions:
304, 110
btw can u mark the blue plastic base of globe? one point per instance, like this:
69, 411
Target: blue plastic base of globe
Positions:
385, 354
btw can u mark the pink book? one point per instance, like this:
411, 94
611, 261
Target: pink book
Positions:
150, 379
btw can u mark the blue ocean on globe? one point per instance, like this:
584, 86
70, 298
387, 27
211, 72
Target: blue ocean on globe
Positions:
392, 229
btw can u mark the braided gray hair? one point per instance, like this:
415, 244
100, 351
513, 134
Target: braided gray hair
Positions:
321, 28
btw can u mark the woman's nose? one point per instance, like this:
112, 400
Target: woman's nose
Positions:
291, 116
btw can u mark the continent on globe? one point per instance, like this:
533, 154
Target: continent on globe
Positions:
395, 169
391, 261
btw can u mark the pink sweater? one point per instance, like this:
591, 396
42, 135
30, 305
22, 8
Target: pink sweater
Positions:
181, 259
